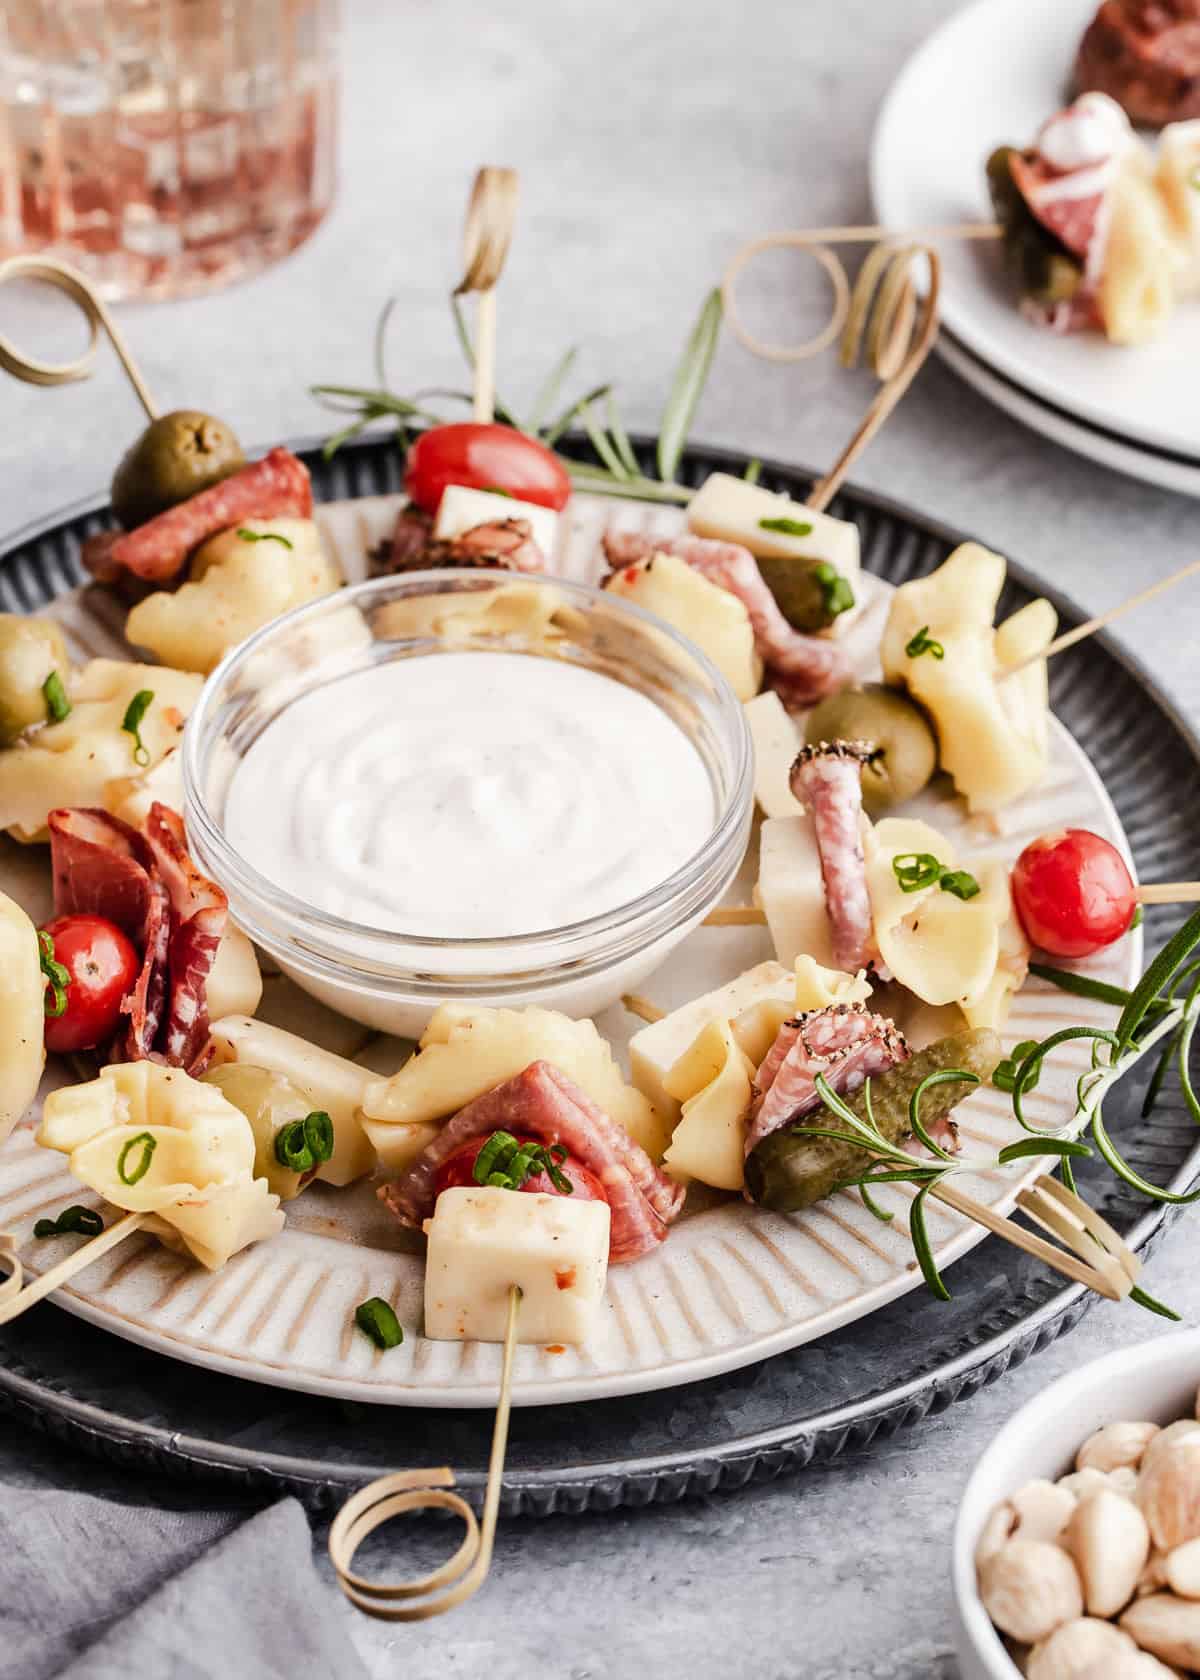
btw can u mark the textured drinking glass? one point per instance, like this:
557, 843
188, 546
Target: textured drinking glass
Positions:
165, 146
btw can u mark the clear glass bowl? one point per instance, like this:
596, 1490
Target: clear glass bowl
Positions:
393, 981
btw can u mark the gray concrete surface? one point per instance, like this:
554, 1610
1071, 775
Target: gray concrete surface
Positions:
651, 139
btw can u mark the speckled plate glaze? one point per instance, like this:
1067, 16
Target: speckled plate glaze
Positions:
758, 1419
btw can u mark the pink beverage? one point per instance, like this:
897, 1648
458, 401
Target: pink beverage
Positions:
165, 147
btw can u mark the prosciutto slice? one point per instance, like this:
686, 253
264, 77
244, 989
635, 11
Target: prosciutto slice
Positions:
845, 1043
504, 544
801, 669
543, 1103
149, 886
827, 779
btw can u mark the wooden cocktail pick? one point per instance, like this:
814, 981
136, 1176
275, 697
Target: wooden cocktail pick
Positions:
17, 1296
491, 216
1070, 638
878, 315
66, 279
423, 1490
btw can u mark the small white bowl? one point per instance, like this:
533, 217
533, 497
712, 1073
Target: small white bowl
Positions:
1155, 1380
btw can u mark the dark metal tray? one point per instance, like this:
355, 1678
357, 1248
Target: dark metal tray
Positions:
888, 1370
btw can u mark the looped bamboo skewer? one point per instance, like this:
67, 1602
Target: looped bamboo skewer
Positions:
487, 234
420, 1490
879, 316
66, 279
17, 1296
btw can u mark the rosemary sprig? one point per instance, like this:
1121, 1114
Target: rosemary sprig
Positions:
615, 470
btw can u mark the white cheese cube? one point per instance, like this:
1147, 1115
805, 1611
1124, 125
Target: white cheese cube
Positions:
460, 510
482, 1240
791, 890
776, 741
733, 511
655, 1050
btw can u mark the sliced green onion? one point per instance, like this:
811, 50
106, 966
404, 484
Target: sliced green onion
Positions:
54, 693
922, 642
836, 593
86, 1221
376, 1319
753, 471
1004, 1077
504, 1164
131, 723
245, 534
292, 1148
148, 1145
1139, 916
318, 1134
788, 527
960, 883
58, 978
495, 490
496, 1152
916, 870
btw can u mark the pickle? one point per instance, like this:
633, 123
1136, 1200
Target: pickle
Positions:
1046, 271
789, 1170
798, 592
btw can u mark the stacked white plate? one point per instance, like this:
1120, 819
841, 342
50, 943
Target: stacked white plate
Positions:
990, 76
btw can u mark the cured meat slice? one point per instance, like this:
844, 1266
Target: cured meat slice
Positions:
504, 544
542, 1102
845, 1043
1145, 54
149, 886
199, 910
156, 551
801, 669
828, 780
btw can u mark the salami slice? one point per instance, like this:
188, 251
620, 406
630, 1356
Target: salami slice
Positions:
845, 1043
828, 780
542, 1102
802, 669
276, 486
199, 910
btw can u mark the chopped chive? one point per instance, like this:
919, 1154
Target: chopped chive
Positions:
131, 723
86, 1221
148, 1145
376, 1319
58, 978
922, 642
787, 527
292, 1149
916, 870
753, 471
54, 693
245, 534
959, 882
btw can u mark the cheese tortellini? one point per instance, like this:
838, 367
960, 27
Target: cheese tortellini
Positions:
73, 762
714, 1081
22, 1017
943, 948
239, 581
992, 729
467, 1050
153, 1140
711, 617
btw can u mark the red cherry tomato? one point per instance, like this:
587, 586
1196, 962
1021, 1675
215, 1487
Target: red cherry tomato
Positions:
459, 1169
484, 457
102, 966
1073, 893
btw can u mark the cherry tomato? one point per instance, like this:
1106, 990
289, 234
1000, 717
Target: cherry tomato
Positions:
101, 966
1073, 893
484, 457
459, 1169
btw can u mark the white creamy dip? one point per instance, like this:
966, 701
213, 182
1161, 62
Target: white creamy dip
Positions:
470, 795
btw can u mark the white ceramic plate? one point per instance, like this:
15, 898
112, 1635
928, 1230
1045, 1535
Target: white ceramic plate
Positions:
992, 74
733, 1284
1171, 472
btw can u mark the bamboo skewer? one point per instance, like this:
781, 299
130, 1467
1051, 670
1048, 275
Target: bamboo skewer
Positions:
735, 915
1070, 638
1168, 892
66, 279
491, 215
17, 1296
416, 1490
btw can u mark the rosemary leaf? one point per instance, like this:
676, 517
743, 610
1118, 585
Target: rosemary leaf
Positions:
620, 438
595, 482
753, 471
553, 432
601, 444
922, 1248
1041, 1146
548, 395
381, 327
687, 386
1141, 1299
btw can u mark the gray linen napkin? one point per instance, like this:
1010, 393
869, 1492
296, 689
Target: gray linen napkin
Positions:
91, 1589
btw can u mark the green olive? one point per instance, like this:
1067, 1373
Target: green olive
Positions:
30, 649
177, 455
905, 754
270, 1102
806, 592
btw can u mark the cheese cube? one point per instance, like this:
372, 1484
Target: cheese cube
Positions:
791, 890
482, 1240
655, 1050
776, 741
733, 511
711, 617
460, 510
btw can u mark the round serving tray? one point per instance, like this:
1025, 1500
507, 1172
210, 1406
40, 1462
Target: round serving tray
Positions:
130, 1405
